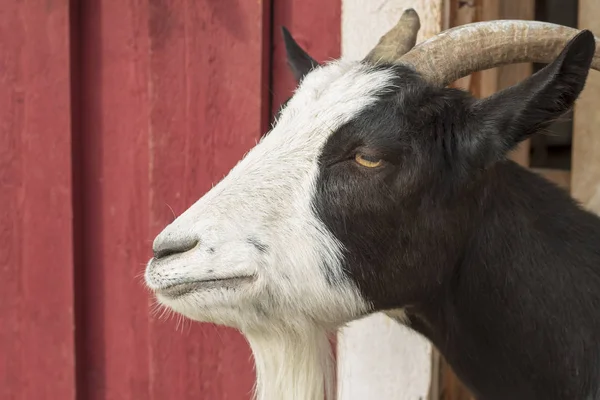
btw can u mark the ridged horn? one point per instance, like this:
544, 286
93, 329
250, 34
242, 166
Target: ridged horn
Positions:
460, 51
397, 41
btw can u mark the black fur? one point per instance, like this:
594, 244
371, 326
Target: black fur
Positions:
499, 268
298, 60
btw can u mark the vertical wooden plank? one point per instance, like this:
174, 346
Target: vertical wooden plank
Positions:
112, 199
36, 266
171, 95
585, 182
209, 105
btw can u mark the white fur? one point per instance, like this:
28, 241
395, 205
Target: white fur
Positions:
293, 365
288, 307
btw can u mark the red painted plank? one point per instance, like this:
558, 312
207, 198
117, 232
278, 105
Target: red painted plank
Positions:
209, 93
36, 266
316, 26
113, 182
172, 94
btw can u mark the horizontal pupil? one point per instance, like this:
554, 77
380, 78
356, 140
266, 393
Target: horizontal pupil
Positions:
369, 158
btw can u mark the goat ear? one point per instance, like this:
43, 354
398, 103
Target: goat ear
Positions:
510, 116
298, 59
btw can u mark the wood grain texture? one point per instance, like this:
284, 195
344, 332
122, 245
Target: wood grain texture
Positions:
36, 264
585, 182
111, 135
172, 94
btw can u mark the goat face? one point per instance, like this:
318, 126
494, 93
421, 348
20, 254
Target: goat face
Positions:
253, 250
356, 200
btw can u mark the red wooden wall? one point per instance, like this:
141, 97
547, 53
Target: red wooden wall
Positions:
113, 113
36, 247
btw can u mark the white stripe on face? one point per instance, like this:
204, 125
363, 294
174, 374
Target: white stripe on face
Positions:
259, 223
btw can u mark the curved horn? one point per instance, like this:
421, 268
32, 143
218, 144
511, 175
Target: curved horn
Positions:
398, 40
460, 51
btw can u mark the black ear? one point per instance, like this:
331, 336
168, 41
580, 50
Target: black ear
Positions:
499, 122
298, 60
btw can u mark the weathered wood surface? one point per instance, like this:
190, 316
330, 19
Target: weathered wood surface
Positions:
171, 95
36, 238
116, 115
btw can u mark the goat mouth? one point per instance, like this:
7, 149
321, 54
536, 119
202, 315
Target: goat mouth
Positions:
181, 289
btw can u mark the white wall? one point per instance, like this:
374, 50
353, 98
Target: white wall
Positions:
378, 358
365, 21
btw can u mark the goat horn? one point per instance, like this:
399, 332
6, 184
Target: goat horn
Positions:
458, 52
398, 40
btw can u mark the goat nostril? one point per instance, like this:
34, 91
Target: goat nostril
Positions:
168, 248
165, 253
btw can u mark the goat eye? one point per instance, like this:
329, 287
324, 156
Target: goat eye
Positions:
368, 161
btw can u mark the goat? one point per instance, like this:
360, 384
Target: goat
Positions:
380, 189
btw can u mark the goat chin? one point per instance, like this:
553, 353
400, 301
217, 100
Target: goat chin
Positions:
292, 365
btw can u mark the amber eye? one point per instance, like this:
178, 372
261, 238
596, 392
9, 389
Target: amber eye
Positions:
368, 161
